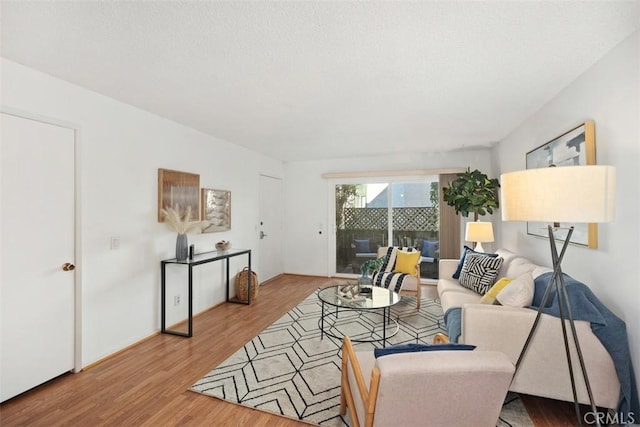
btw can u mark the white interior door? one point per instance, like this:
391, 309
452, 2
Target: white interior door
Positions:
36, 294
270, 228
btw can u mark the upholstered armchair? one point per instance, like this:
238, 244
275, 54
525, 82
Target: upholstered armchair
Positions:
400, 272
434, 388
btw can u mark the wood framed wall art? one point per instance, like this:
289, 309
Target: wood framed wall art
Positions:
178, 190
572, 148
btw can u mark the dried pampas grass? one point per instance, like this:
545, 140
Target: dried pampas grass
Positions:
182, 225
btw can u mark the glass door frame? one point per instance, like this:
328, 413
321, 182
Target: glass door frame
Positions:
389, 180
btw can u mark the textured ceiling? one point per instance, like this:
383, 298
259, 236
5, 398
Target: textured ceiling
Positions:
310, 80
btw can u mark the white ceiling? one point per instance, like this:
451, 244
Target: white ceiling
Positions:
302, 80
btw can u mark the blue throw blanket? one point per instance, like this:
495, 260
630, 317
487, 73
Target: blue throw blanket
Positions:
609, 329
453, 322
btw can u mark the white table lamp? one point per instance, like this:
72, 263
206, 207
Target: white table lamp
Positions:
479, 232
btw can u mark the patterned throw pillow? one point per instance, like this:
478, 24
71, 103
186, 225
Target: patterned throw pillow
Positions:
466, 251
479, 272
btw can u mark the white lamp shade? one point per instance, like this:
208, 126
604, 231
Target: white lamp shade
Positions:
479, 232
573, 194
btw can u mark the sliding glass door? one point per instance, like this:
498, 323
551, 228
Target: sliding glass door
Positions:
373, 214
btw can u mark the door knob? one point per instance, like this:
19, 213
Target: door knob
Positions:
262, 235
67, 266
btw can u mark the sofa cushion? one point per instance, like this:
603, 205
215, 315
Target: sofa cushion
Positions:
465, 251
452, 285
490, 296
518, 293
415, 347
520, 266
508, 256
511, 259
450, 300
479, 272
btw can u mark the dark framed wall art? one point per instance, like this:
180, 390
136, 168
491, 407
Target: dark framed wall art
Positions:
572, 148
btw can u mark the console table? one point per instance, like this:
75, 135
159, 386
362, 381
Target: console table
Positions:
199, 259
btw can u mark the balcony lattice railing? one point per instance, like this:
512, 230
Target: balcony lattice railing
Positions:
411, 226
404, 219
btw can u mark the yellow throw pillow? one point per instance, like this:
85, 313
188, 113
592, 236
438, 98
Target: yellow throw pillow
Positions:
490, 296
406, 262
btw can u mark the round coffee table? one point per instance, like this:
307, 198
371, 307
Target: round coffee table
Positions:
378, 302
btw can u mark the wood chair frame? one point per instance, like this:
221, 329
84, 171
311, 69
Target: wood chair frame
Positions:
369, 397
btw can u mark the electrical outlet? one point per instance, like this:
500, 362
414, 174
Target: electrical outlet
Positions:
176, 300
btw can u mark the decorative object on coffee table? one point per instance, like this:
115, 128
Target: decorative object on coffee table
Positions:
572, 194
350, 291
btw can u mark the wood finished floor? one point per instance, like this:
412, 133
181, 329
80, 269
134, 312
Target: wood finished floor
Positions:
146, 385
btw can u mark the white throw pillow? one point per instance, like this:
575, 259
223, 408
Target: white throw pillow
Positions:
518, 293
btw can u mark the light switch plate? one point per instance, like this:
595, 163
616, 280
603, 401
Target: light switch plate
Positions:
115, 243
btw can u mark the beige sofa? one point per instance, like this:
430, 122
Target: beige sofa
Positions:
544, 370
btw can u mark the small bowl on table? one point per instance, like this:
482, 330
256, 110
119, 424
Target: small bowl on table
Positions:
223, 245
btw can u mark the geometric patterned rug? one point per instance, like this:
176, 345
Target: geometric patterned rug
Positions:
288, 370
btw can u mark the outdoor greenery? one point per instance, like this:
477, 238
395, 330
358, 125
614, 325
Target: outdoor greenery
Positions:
345, 194
473, 192
355, 220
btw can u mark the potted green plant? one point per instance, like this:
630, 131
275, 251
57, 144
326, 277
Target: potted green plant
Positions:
473, 192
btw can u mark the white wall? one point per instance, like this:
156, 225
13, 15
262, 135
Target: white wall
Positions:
609, 94
120, 149
307, 199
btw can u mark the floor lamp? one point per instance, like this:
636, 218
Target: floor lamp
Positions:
568, 194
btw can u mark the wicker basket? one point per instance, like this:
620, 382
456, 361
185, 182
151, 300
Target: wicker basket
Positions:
242, 286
